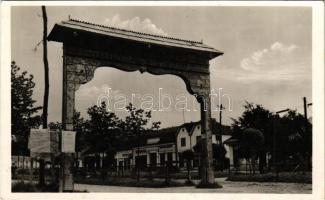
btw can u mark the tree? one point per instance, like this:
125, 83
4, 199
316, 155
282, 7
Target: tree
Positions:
134, 126
23, 112
55, 126
102, 130
251, 143
155, 125
79, 125
219, 154
257, 117
294, 138
285, 138
136, 120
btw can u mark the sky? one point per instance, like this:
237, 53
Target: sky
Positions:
267, 56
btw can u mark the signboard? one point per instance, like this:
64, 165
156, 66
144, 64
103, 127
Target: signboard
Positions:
43, 141
68, 141
165, 150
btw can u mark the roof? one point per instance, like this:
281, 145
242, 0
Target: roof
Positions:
189, 126
225, 130
231, 141
166, 135
64, 28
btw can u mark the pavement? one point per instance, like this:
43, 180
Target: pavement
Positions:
228, 187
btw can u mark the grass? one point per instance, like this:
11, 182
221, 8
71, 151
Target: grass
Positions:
207, 186
177, 175
29, 187
285, 177
129, 182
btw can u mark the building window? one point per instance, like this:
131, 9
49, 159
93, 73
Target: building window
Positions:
198, 138
183, 142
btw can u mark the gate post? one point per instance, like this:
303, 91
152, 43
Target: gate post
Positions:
207, 172
66, 182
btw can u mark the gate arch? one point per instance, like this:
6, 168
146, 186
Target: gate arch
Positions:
88, 46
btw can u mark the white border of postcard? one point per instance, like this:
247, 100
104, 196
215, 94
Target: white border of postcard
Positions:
318, 105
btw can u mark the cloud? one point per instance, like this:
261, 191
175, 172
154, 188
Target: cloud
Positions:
135, 24
279, 47
276, 55
277, 63
273, 66
91, 94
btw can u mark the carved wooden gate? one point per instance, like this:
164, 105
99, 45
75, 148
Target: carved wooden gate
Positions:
88, 46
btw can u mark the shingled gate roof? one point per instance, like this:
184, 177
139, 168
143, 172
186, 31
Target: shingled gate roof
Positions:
59, 30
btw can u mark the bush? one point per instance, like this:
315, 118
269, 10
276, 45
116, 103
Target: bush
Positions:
129, 182
23, 187
28, 187
271, 177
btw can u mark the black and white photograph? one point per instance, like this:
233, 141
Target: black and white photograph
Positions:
163, 99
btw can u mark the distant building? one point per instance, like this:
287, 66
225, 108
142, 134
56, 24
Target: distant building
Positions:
166, 145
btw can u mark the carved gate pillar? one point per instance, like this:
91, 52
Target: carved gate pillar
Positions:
200, 87
66, 182
207, 176
67, 159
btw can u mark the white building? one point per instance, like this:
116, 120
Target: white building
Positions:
158, 147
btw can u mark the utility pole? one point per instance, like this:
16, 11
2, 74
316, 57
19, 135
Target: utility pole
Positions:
274, 156
183, 116
305, 108
220, 118
220, 121
306, 127
46, 92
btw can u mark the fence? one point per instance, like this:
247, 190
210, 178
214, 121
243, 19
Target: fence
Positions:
168, 170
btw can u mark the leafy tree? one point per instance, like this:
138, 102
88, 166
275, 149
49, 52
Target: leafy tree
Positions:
55, 126
219, 154
101, 130
79, 125
290, 135
23, 112
136, 121
294, 136
251, 143
155, 125
257, 117
134, 126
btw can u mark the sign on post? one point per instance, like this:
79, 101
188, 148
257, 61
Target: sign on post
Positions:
43, 141
68, 141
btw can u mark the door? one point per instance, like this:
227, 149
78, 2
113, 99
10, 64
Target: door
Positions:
153, 159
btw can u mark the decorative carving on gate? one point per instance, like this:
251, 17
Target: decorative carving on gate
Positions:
81, 65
